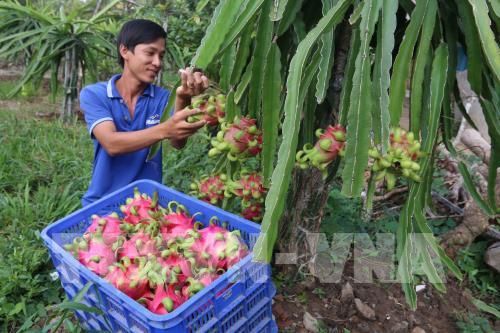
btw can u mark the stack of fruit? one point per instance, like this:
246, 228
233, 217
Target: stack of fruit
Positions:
158, 256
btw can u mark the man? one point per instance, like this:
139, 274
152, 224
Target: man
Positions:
123, 114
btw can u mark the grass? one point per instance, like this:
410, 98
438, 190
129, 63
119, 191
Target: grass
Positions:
44, 169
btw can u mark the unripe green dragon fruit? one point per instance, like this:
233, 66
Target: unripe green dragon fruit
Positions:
401, 159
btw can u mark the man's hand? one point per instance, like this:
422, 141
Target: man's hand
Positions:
192, 84
179, 128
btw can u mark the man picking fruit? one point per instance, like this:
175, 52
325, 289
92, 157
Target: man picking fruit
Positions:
123, 114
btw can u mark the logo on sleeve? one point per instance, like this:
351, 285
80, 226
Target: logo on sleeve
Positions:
153, 120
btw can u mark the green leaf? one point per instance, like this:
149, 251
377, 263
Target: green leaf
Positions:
227, 66
489, 44
79, 307
271, 112
224, 17
262, 46
485, 307
281, 177
471, 188
402, 63
245, 80
242, 55
289, 14
417, 80
277, 10
473, 47
359, 117
349, 73
103, 11
381, 76
327, 53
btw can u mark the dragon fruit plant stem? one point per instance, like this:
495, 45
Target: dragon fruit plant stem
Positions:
401, 158
330, 144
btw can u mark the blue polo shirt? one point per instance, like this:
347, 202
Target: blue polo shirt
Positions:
102, 102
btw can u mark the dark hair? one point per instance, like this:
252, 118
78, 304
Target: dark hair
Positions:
138, 31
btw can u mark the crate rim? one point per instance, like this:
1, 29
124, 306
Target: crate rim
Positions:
108, 287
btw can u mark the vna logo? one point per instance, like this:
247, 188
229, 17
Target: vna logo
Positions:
153, 120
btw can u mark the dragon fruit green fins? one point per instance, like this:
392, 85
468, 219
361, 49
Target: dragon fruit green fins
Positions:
248, 187
210, 189
165, 300
212, 108
140, 208
108, 226
330, 144
93, 253
401, 158
128, 278
240, 139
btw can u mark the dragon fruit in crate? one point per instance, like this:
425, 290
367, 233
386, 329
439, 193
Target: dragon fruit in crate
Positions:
140, 208
93, 252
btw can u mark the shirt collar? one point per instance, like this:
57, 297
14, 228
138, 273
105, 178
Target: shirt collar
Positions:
112, 92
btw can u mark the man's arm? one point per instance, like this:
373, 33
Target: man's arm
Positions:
176, 128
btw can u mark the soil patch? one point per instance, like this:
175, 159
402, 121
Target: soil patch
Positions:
436, 312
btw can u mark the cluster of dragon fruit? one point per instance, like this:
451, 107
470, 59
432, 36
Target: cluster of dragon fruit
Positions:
248, 188
158, 256
401, 158
237, 140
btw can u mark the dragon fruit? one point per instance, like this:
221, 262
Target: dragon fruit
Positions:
252, 211
401, 158
193, 285
165, 300
210, 189
330, 144
139, 208
92, 251
240, 139
248, 187
176, 223
211, 107
139, 245
215, 247
109, 227
127, 278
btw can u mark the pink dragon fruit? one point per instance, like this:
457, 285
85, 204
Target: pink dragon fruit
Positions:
127, 278
139, 208
248, 187
93, 253
252, 211
193, 285
241, 139
330, 144
215, 247
212, 108
140, 245
176, 223
210, 189
165, 300
180, 268
109, 227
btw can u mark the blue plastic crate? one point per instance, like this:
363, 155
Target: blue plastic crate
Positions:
238, 301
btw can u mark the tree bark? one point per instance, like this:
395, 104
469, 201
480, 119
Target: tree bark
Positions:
308, 193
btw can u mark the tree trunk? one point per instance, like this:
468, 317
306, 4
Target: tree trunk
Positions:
70, 82
309, 192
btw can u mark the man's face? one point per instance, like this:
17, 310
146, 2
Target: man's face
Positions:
145, 61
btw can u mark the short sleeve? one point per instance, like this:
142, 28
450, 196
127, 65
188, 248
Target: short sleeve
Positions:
94, 109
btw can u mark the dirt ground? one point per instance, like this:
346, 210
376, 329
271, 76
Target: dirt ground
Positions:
384, 308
